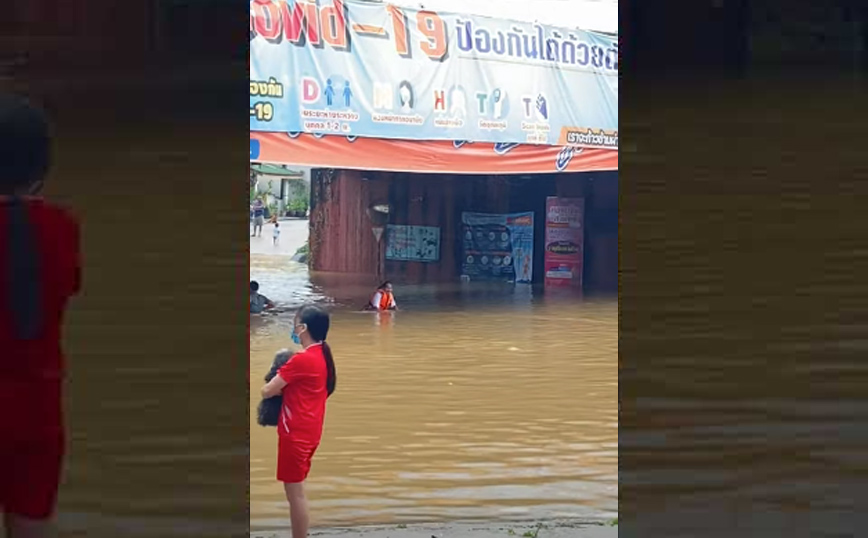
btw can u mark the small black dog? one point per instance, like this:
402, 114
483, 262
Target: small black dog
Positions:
269, 408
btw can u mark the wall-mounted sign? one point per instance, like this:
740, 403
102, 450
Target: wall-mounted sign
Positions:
498, 247
412, 243
378, 232
565, 238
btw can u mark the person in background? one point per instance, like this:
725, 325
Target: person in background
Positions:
305, 382
258, 303
276, 233
258, 217
40, 271
383, 299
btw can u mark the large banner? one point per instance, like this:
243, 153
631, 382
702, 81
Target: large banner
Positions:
498, 247
425, 157
565, 238
375, 70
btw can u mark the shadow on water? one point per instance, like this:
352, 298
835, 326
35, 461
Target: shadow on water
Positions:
457, 406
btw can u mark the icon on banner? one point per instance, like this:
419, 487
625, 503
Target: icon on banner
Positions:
457, 102
406, 96
348, 94
382, 96
542, 107
309, 90
329, 93
493, 105
440, 100
498, 98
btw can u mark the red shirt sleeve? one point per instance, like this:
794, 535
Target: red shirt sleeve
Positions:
288, 371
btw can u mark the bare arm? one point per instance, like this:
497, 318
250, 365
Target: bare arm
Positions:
273, 387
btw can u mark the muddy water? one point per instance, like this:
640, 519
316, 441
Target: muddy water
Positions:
743, 313
470, 403
152, 343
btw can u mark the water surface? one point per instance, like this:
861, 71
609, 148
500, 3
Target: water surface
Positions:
488, 402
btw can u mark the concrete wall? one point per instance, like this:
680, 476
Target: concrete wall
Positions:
601, 228
342, 240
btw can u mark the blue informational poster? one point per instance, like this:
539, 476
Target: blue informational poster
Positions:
412, 243
374, 69
498, 247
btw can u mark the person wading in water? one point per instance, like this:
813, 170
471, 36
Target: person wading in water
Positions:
258, 303
305, 382
383, 298
39, 273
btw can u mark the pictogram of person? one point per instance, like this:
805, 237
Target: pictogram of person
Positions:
329, 92
348, 93
405, 96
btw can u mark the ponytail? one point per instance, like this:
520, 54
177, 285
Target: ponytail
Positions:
24, 291
332, 378
317, 321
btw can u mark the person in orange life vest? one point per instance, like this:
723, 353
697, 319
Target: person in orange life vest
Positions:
383, 299
39, 272
304, 382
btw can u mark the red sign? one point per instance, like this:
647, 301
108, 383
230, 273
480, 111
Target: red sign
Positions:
564, 244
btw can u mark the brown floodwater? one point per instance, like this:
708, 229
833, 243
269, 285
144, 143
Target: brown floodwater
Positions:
157, 359
743, 334
472, 402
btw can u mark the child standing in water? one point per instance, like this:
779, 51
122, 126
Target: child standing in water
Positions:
276, 232
39, 273
305, 382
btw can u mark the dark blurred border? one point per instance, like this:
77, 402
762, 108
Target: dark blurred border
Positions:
146, 101
743, 187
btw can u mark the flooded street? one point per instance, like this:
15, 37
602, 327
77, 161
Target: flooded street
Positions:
469, 404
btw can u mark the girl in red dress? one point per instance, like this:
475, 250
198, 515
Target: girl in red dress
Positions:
39, 272
305, 382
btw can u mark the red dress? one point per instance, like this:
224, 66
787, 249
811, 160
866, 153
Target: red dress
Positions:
31, 371
303, 413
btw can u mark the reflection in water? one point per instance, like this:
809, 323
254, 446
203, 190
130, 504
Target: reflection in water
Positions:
471, 402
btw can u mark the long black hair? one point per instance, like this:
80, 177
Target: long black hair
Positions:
317, 322
25, 149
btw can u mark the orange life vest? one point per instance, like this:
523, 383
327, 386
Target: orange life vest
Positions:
386, 299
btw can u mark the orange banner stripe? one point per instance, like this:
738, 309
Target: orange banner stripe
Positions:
427, 156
